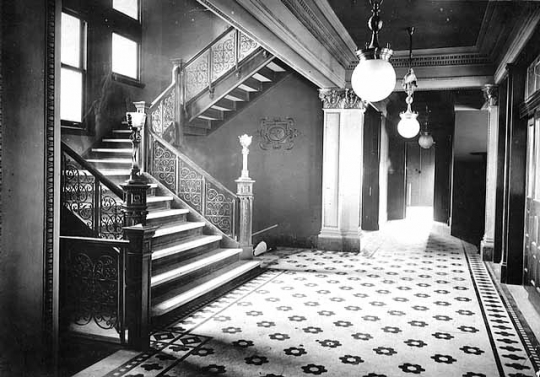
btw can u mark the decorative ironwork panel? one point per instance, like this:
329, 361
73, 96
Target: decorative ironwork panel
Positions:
164, 166
277, 133
157, 120
190, 187
197, 76
78, 191
219, 208
111, 215
168, 109
223, 55
246, 46
92, 291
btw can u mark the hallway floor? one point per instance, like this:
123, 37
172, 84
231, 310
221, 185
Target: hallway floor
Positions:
415, 301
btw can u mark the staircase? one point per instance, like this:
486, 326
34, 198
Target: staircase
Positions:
190, 260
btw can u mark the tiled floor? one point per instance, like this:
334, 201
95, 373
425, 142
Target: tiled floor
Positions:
414, 302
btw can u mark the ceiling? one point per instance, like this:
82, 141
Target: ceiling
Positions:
438, 24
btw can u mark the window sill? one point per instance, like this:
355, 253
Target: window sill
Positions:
127, 80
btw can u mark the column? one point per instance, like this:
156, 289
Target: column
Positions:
342, 170
244, 186
487, 243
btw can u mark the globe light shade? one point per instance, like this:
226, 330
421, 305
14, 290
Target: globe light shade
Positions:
408, 126
425, 140
373, 79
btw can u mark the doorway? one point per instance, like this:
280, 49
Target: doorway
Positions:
420, 182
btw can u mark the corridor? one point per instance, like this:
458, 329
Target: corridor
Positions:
415, 301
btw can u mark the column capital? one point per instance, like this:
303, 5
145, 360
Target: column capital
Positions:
491, 95
341, 99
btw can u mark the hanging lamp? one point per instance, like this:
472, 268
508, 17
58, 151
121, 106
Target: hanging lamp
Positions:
425, 140
408, 126
374, 78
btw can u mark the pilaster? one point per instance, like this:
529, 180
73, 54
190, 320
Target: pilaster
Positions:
487, 243
342, 170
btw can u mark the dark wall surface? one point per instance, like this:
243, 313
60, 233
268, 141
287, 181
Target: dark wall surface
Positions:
288, 187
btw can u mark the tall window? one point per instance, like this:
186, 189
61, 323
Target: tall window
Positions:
125, 56
128, 7
73, 56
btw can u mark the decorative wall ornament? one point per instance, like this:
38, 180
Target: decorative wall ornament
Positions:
472, 58
341, 99
277, 133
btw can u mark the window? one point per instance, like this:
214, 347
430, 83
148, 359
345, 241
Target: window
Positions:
125, 56
73, 51
128, 7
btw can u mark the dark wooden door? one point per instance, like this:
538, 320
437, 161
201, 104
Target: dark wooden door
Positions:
531, 244
420, 175
370, 180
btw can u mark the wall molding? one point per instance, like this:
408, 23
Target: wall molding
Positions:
344, 99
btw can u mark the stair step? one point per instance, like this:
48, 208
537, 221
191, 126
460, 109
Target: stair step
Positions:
185, 246
155, 202
264, 74
113, 150
110, 160
165, 231
169, 215
119, 141
225, 104
206, 261
183, 295
251, 85
276, 68
238, 95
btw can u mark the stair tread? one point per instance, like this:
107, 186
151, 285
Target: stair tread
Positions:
117, 141
108, 172
192, 243
111, 160
122, 131
178, 228
155, 199
153, 215
113, 150
182, 295
194, 264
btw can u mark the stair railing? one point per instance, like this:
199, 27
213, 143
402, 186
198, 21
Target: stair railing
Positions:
108, 274
91, 196
192, 184
192, 79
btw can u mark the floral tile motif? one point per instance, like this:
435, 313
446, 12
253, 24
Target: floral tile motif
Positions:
408, 307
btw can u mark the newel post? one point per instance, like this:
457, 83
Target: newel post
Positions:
245, 194
138, 278
179, 106
142, 107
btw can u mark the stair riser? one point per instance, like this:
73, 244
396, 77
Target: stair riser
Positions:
120, 135
183, 280
122, 145
169, 220
164, 264
112, 165
170, 239
165, 204
158, 321
95, 154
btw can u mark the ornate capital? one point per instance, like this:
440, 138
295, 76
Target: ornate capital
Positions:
341, 99
491, 94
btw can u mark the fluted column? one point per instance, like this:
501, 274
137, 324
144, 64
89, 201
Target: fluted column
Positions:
487, 243
342, 170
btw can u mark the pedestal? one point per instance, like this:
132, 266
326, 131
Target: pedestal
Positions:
245, 229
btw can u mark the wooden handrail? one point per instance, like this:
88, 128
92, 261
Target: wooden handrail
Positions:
194, 165
96, 173
167, 90
96, 241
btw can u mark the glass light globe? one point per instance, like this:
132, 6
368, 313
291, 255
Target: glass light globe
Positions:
373, 79
408, 126
425, 140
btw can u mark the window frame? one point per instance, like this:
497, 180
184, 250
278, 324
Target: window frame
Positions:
119, 76
139, 12
83, 70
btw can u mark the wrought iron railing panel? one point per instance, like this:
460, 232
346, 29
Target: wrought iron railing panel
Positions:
93, 287
197, 75
246, 46
162, 116
193, 185
220, 208
223, 54
89, 199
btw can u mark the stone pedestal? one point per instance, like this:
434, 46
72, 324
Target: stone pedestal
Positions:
245, 229
342, 170
487, 243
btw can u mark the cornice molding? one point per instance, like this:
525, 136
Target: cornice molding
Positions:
342, 99
317, 22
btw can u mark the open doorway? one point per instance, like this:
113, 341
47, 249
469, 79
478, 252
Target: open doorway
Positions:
420, 182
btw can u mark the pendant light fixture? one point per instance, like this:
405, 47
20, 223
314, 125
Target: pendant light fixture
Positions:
425, 140
374, 78
408, 126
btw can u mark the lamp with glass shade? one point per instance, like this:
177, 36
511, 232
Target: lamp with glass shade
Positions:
426, 140
374, 78
408, 126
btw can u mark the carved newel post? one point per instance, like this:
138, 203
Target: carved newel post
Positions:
245, 194
138, 259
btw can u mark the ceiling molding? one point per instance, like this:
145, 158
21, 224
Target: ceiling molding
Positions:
519, 37
282, 34
318, 22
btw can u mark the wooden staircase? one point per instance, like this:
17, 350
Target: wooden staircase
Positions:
190, 260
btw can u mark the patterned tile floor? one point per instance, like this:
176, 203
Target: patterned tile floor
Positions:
416, 304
